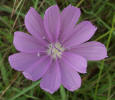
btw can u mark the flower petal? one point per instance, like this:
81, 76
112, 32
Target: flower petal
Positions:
26, 43
75, 61
22, 61
38, 69
69, 77
91, 50
52, 22
34, 24
51, 80
69, 18
82, 33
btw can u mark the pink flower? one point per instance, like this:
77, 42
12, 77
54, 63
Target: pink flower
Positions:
55, 51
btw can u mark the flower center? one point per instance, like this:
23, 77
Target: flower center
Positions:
55, 50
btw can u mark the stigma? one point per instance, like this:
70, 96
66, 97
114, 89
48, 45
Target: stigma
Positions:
55, 50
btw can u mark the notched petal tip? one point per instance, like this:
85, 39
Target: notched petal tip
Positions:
70, 5
48, 90
53, 6
17, 33
106, 56
84, 72
90, 24
104, 51
74, 89
30, 10
28, 76
10, 60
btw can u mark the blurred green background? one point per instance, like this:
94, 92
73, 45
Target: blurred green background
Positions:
97, 84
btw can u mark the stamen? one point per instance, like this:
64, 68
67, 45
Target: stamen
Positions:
55, 50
